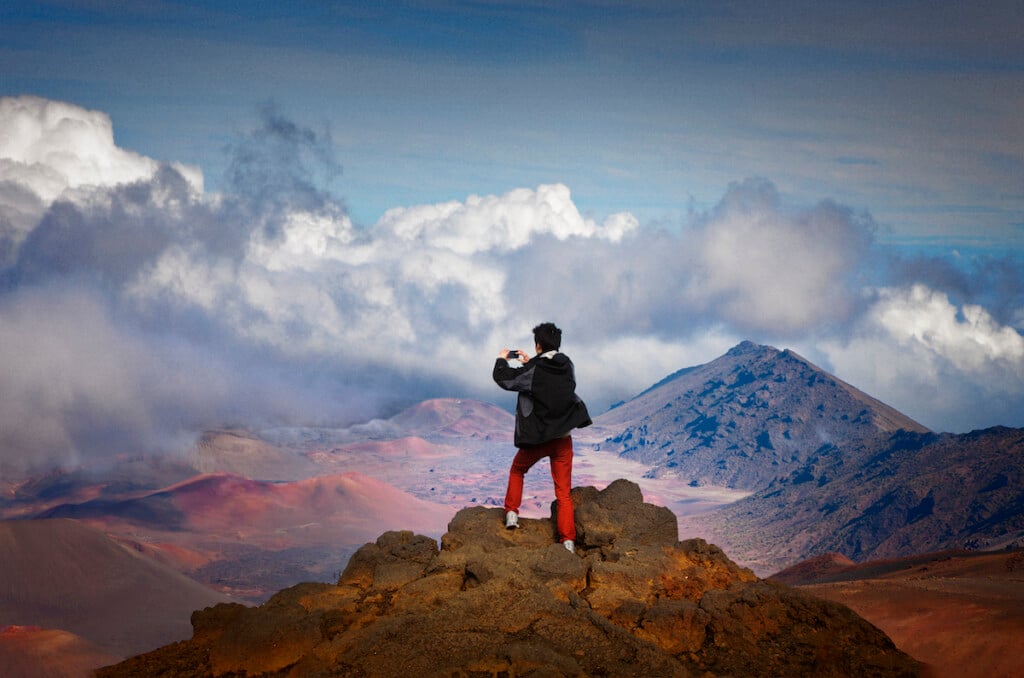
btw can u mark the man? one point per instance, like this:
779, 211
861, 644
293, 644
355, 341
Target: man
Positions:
547, 410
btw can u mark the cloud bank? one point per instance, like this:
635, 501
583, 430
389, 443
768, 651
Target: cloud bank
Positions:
137, 309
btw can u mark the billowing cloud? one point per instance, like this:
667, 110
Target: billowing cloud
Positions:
952, 368
768, 270
52, 146
52, 149
505, 222
137, 309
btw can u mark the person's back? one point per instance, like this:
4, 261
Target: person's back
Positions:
547, 409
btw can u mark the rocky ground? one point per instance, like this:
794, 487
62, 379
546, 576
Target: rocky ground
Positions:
633, 600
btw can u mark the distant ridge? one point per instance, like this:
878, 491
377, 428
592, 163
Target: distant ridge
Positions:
448, 417
347, 506
245, 454
813, 570
910, 493
752, 415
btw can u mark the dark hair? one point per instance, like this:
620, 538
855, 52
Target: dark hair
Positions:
547, 336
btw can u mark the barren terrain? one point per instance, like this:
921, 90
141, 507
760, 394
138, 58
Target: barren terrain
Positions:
960, 614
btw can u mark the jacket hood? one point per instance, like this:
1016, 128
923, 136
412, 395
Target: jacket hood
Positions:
556, 363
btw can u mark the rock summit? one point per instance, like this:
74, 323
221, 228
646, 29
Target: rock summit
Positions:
633, 601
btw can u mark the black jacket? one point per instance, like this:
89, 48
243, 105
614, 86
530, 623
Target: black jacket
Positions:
547, 407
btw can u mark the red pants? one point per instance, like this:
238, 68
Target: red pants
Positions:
560, 452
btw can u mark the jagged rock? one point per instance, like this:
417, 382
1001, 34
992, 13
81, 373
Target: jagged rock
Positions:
618, 512
633, 601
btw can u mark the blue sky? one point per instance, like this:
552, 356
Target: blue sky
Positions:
907, 110
846, 179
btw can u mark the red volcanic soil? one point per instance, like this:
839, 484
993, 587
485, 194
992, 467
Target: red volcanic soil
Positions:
961, 614
817, 569
347, 508
33, 652
250, 537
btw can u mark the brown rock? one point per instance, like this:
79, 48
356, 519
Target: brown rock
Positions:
633, 601
618, 512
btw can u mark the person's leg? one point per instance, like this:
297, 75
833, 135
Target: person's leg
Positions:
524, 460
561, 472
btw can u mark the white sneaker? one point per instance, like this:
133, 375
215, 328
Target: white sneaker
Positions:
569, 546
511, 520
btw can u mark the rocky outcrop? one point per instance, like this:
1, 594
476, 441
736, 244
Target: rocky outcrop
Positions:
633, 601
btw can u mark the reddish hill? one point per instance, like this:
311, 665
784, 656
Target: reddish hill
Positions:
453, 417
349, 507
250, 537
814, 569
32, 652
60, 574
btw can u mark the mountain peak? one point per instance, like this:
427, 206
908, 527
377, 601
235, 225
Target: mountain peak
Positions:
754, 414
747, 347
633, 600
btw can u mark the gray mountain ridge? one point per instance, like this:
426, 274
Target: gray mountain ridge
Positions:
913, 493
753, 415
831, 468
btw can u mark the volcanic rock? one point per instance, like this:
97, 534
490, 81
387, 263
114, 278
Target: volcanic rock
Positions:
633, 601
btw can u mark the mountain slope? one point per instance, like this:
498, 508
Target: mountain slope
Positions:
916, 493
444, 417
244, 454
347, 508
249, 537
752, 415
59, 574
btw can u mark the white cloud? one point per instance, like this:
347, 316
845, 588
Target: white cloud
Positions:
506, 222
968, 337
197, 309
951, 368
307, 241
52, 150
423, 275
51, 146
769, 270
